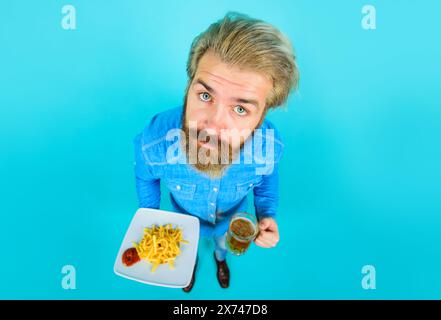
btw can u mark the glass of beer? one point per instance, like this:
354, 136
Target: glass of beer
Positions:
242, 230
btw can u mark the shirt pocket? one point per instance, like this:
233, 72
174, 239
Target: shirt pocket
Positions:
243, 188
181, 190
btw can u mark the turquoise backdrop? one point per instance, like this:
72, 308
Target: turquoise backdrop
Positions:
360, 179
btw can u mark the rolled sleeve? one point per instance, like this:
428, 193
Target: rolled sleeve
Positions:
147, 185
266, 195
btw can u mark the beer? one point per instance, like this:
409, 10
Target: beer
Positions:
242, 230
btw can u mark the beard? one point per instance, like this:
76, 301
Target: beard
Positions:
211, 161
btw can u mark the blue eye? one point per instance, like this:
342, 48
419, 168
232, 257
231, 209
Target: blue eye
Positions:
240, 110
205, 96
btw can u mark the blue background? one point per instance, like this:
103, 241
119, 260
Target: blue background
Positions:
360, 178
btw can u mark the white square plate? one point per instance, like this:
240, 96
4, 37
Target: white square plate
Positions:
178, 277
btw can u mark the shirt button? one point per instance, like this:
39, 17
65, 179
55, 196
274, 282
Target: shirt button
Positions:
215, 189
178, 187
212, 204
251, 184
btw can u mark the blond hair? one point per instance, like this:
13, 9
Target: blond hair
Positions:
249, 44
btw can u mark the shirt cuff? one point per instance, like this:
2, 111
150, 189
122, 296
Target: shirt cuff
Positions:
266, 215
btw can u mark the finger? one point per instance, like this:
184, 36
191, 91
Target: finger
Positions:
268, 224
260, 243
261, 233
270, 237
267, 242
264, 224
274, 226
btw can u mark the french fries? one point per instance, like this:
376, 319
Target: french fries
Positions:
160, 245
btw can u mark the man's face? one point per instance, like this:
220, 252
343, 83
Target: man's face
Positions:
224, 102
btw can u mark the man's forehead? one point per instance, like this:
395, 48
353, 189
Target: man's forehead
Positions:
213, 79
211, 66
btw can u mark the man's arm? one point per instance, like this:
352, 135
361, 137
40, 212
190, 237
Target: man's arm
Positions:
147, 186
266, 195
266, 200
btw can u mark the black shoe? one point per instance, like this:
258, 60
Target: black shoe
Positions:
191, 284
223, 272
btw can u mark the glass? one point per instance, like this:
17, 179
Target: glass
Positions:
241, 231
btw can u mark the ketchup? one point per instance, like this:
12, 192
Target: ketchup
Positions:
130, 257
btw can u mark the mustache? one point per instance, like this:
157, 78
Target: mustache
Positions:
209, 136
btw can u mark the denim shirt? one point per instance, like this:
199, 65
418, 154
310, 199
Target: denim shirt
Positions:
212, 200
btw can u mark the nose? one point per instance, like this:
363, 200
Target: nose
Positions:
218, 118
